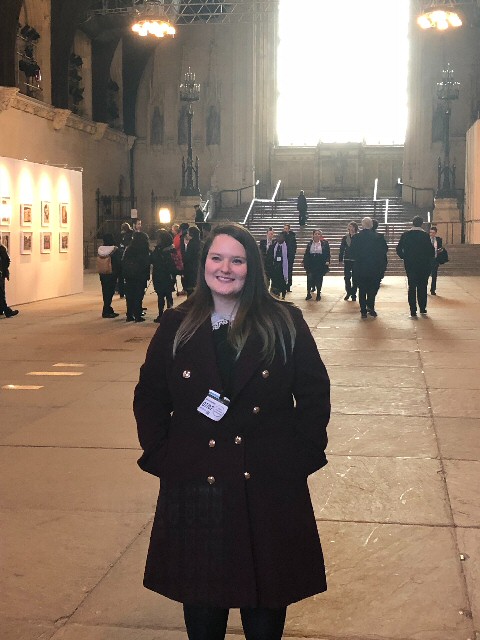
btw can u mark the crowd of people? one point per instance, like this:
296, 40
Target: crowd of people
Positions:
129, 265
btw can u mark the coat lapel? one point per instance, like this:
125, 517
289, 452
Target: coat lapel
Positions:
247, 364
201, 350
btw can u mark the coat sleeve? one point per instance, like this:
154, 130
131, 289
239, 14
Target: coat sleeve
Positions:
343, 246
152, 404
399, 247
311, 391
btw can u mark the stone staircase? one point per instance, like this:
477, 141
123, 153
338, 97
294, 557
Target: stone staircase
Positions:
464, 260
333, 216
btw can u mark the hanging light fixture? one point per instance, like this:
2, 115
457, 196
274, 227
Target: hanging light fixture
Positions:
151, 19
440, 15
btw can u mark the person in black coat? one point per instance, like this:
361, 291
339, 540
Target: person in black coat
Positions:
191, 259
368, 249
163, 270
109, 251
136, 271
264, 245
232, 408
199, 219
348, 262
126, 235
316, 262
438, 246
302, 208
5, 275
291, 240
417, 251
277, 265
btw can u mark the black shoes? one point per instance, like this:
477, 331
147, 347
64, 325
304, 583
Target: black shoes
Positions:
413, 314
130, 319
363, 314
373, 313
354, 298
309, 296
139, 319
9, 313
423, 311
347, 296
432, 293
319, 297
110, 315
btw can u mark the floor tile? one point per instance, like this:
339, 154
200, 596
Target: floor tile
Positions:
463, 481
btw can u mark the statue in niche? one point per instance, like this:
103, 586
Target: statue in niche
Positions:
183, 125
157, 127
213, 126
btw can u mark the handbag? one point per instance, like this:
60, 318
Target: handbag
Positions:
442, 256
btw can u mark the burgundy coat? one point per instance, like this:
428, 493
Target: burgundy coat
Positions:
234, 524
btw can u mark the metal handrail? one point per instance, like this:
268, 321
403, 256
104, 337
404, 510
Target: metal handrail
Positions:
255, 200
237, 191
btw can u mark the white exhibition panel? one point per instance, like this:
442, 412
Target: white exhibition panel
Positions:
41, 220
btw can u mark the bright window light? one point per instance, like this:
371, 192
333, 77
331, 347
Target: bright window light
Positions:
342, 72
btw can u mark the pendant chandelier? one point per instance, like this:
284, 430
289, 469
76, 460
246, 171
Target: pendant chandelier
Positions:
440, 15
151, 19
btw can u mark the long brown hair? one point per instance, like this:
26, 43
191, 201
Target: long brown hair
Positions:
257, 313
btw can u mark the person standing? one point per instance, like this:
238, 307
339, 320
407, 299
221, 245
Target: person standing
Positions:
199, 219
265, 244
109, 261
277, 266
316, 262
136, 271
5, 275
191, 259
291, 240
368, 249
302, 208
417, 251
163, 271
232, 408
345, 256
437, 244
126, 235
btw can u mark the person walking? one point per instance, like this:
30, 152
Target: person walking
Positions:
302, 208
416, 250
277, 266
316, 263
136, 271
232, 407
437, 244
5, 275
345, 257
368, 250
163, 271
109, 266
291, 240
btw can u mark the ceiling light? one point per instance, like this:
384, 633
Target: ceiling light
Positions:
151, 19
440, 15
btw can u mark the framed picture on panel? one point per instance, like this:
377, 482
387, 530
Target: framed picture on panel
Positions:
5, 212
64, 214
45, 242
5, 240
45, 214
63, 242
25, 215
26, 241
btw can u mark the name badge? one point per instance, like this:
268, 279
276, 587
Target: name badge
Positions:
279, 258
214, 406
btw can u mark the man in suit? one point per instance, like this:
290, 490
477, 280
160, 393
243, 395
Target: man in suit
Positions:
368, 250
437, 245
417, 251
302, 208
291, 240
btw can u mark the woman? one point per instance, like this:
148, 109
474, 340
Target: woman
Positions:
316, 263
163, 271
232, 408
108, 253
277, 265
191, 259
136, 271
345, 256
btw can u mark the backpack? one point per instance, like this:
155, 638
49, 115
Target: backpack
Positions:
104, 265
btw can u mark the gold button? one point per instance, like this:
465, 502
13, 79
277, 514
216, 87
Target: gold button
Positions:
186, 374
256, 410
238, 440
211, 443
246, 475
265, 373
211, 480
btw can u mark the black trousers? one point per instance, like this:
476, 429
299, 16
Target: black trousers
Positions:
417, 289
367, 292
210, 623
434, 272
108, 282
134, 292
162, 297
314, 281
3, 301
349, 277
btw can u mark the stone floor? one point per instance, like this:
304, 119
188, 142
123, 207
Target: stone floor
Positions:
398, 506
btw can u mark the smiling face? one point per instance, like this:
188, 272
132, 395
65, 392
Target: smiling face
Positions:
226, 267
